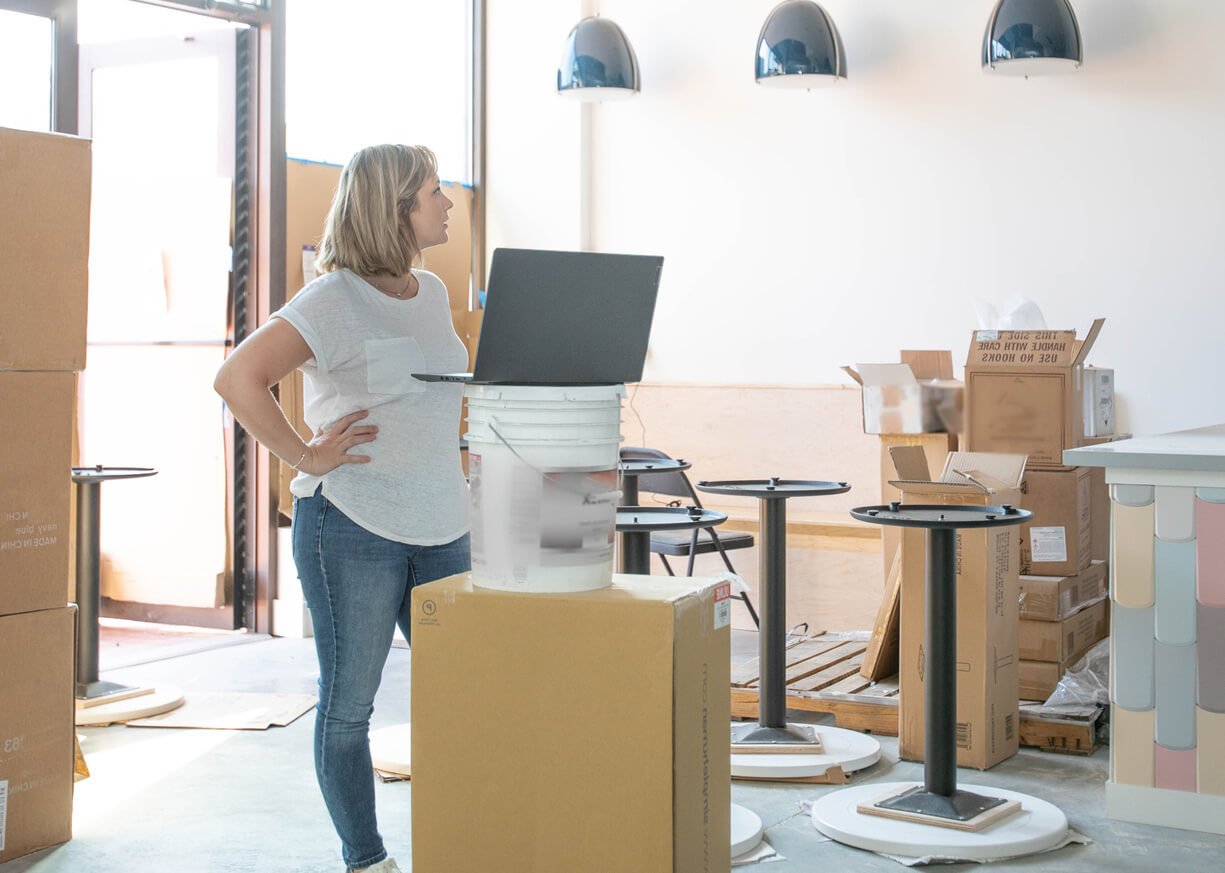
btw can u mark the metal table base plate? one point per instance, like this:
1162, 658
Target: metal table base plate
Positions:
959, 806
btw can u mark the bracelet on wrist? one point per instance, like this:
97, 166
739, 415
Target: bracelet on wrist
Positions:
297, 465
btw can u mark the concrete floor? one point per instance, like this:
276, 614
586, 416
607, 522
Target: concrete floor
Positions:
196, 801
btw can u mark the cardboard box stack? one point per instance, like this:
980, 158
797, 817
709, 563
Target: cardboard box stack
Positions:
1031, 392
913, 403
611, 754
987, 607
44, 245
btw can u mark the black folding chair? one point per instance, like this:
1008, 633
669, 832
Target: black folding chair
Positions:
676, 485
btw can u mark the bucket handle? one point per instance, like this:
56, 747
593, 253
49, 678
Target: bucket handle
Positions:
563, 483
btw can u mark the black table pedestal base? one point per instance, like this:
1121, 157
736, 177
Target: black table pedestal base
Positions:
101, 688
959, 806
756, 734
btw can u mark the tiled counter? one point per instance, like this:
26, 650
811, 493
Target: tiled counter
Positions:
1167, 649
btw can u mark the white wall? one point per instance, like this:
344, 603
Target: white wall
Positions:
807, 230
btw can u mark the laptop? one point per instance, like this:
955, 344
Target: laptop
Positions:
563, 318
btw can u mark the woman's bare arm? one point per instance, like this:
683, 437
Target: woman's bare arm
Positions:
245, 381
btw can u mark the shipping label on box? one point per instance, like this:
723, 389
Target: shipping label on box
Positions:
36, 737
648, 792
1025, 392
1058, 541
35, 489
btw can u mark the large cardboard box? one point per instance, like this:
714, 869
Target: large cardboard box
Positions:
1059, 539
1054, 598
987, 610
609, 749
1059, 641
1025, 392
36, 416
36, 730
44, 247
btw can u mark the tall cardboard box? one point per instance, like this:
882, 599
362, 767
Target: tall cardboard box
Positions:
1058, 541
35, 489
44, 247
987, 609
609, 750
36, 730
1025, 392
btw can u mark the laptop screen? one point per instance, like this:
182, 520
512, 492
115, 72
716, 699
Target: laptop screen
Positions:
558, 318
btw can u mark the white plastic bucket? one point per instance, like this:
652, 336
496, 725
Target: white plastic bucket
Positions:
542, 467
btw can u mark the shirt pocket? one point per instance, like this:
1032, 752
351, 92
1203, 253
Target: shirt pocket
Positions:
390, 364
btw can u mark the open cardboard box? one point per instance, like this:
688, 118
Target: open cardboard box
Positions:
987, 606
1025, 392
917, 395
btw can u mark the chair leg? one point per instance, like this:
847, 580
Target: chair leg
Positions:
693, 550
667, 566
748, 604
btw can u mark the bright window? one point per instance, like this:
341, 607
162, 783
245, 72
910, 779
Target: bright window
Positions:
369, 71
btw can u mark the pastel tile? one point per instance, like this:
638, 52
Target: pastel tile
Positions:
1174, 722
1132, 658
1174, 564
1131, 555
1131, 747
1212, 495
1210, 631
1174, 769
1175, 513
1132, 495
1210, 553
1210, 732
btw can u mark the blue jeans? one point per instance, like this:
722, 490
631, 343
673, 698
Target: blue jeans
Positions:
358, 587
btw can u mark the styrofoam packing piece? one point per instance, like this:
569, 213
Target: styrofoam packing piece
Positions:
1175, 513
1174, 722
1210, 693
1175, 592
847, 749
1132, 658
1132, 495
1038, 827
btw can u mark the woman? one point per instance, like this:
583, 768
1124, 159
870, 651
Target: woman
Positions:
380, 503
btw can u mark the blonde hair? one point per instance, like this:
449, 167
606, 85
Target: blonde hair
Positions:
367, 229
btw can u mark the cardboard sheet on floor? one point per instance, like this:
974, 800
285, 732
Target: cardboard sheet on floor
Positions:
234, 710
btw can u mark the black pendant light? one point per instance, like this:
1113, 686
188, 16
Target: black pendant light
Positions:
1032, 38
799, 47
598, 62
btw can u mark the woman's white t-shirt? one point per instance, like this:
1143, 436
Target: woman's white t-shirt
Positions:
366, 346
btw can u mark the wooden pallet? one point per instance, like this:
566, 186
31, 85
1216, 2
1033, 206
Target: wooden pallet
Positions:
823, 676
